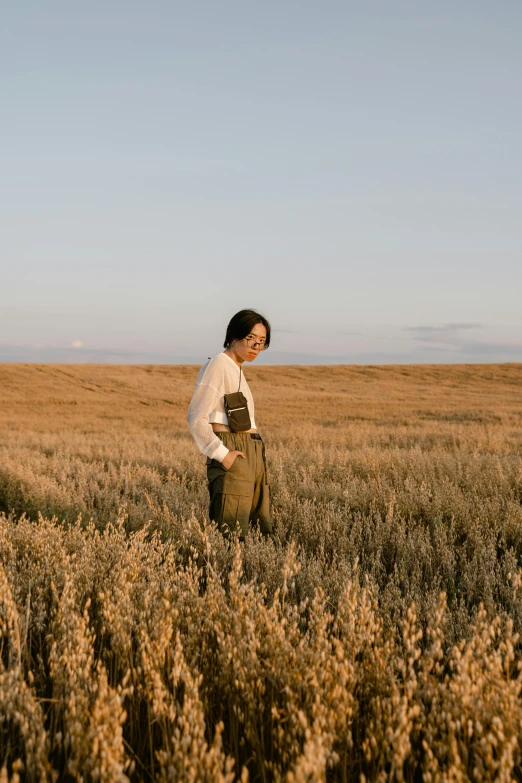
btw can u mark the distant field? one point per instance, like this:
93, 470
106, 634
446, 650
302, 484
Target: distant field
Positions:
376, 638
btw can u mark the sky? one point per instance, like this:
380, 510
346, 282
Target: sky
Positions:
351, 170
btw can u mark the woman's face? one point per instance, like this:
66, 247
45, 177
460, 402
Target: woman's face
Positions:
248, 348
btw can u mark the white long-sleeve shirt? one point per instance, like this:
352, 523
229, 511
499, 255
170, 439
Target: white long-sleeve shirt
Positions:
219, 376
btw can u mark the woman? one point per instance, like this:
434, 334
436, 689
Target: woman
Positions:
236, 466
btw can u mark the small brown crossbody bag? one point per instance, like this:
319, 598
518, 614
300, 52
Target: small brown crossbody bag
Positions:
236, 407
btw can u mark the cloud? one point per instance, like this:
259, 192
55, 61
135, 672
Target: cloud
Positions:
426, 349
444, 329
450, 340
49, 354
455, 345
447, 334
456, 327
291, 357
495, 349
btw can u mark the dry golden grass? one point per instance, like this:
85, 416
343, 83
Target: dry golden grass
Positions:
376, 638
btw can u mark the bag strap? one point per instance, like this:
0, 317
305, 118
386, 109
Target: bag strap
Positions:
240, 376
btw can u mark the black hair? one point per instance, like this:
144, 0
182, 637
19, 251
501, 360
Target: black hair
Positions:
242, 323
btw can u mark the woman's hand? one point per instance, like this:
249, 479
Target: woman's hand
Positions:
231, 458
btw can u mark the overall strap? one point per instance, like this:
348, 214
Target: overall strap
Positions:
240, 376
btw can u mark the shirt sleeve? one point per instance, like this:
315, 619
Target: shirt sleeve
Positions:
204, 401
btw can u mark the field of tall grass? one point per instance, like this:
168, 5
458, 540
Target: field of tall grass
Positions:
375, 638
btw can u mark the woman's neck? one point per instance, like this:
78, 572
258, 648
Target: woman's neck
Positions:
233, 355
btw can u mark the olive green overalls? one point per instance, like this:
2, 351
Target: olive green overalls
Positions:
240, 496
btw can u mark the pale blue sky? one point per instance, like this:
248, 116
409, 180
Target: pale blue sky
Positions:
353, 170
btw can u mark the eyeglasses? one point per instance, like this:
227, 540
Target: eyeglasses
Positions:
254, 344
